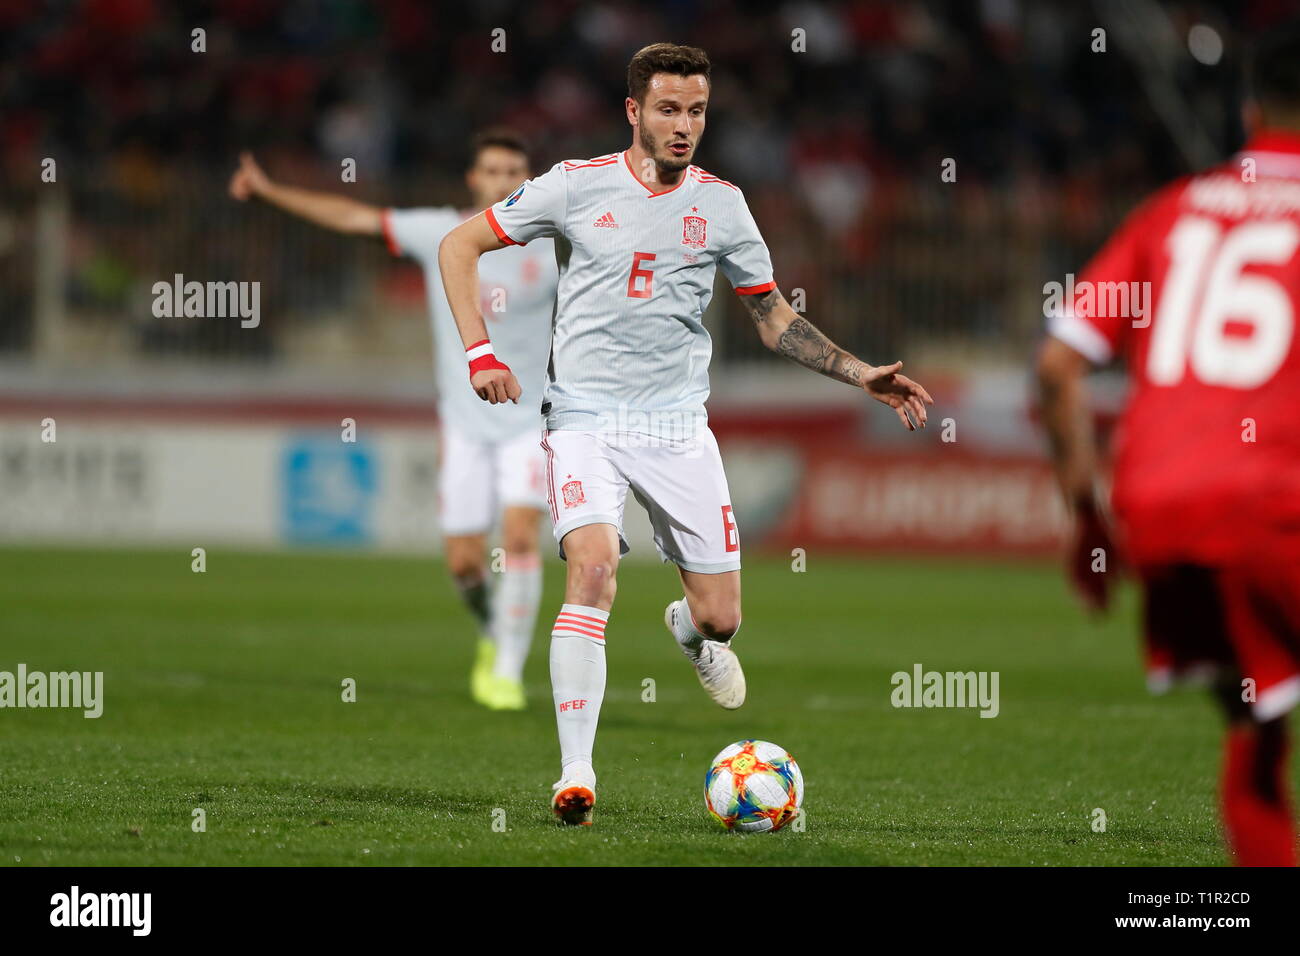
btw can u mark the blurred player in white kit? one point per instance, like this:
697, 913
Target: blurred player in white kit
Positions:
491, 464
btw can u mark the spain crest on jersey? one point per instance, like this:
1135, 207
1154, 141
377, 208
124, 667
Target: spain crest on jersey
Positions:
693, 231
573, 496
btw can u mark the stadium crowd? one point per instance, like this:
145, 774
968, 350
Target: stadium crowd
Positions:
832, 116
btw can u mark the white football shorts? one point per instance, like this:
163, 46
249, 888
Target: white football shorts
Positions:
476, 479
680, 483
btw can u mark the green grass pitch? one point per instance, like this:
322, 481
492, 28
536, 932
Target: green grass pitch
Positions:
223, 692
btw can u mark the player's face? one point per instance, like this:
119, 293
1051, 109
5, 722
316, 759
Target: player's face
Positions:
495, 174
671, 120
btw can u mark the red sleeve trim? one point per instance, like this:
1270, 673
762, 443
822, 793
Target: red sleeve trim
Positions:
389, 238
755, 289
496, 227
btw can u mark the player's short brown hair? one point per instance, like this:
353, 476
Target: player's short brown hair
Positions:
670, 58
502, 138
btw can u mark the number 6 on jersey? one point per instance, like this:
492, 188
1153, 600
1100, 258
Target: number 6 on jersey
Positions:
638, 273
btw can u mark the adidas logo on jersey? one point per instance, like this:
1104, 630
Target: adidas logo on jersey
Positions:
606, 221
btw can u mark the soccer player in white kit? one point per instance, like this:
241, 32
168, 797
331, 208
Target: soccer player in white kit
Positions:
643, 232
491, 464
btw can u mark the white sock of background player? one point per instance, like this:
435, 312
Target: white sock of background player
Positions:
514, 612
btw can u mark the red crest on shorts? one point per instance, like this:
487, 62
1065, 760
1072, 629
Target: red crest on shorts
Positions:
573, 495
694, 231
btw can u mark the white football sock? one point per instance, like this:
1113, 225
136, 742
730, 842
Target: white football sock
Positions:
578, 679
514, 612
684, 629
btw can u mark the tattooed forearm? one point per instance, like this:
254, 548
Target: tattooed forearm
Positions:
761, 306
849, 369
804, 343
787, 333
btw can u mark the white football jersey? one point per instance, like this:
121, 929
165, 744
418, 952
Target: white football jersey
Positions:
517, 293
630, 351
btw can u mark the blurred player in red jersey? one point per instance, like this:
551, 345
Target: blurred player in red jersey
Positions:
1207, 460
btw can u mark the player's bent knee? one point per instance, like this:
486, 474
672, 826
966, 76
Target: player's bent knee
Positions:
718, 625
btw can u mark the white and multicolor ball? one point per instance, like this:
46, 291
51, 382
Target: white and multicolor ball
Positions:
753, 786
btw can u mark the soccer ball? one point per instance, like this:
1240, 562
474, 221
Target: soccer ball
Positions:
753, 786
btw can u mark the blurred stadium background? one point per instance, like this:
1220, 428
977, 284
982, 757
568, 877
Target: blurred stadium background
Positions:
202, 432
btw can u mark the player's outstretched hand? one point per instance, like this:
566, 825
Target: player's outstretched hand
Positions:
248, 180
1092, 560
496, 385
904, 396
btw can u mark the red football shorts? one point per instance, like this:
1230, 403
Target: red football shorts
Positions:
1239, 622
